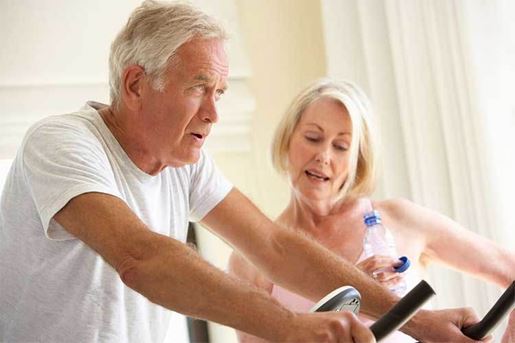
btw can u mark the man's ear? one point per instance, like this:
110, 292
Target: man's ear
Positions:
133, 80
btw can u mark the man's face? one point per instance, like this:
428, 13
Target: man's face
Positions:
178, 119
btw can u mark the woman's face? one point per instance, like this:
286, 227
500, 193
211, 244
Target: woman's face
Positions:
319, 151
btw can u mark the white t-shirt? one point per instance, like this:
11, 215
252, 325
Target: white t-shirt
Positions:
53, 287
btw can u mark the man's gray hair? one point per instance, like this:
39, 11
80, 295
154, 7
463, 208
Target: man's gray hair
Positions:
151, 37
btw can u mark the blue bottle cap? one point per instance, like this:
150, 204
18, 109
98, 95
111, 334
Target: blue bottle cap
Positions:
404, 266
372, 218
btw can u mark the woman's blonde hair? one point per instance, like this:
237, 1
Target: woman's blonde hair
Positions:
151, 37
362, 162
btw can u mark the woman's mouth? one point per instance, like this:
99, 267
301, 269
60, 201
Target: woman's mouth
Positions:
316, 175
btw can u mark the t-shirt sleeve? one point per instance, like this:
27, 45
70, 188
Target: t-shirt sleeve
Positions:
208, 187
61, 161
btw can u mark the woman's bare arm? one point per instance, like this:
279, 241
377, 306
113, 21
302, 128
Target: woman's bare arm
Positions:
447, 242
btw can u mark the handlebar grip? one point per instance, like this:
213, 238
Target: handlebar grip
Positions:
402, 311
503, 305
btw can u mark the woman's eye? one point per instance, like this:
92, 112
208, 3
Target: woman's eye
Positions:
341, 147
312, 139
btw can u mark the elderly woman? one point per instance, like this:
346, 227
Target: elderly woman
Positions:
325, 146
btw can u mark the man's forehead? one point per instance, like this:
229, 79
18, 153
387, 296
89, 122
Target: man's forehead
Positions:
205, 59
203, 51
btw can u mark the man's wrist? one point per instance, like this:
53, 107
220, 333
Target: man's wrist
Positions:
415, 326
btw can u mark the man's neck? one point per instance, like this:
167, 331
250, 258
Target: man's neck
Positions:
130, 139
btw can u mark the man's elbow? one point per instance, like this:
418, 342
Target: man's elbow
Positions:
129, 271
137, 275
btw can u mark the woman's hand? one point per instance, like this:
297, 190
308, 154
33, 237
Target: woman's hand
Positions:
381, 269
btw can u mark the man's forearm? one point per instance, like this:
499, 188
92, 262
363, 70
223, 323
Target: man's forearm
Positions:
308, 268
177, 278
305, 266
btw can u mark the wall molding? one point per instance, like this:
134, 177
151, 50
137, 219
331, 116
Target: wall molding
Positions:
36, 81
23, 105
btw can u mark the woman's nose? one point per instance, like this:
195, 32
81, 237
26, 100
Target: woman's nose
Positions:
323, 157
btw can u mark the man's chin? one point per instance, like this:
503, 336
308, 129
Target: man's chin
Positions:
192, 157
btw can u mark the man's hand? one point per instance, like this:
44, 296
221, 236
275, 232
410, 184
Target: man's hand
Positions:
509, 334
442, 325
328, 327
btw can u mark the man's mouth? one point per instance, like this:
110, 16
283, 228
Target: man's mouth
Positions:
198, 135
316, 175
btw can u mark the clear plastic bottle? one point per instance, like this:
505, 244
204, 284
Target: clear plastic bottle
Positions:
379, 241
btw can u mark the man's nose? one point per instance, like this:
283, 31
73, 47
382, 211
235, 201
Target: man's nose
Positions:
209, 113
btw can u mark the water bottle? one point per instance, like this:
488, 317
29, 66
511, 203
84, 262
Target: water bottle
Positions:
379, 241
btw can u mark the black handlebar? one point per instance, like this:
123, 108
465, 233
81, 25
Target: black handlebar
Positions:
402, 311
482, 329
342, 298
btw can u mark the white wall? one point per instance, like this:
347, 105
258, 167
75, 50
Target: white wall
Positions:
54, 59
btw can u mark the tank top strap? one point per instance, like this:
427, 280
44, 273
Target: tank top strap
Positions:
368, 208
291, 300
371, 208
370, 205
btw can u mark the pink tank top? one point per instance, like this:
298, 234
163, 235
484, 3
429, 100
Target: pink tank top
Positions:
297, 303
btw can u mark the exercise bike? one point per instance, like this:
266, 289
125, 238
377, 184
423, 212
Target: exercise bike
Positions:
347, 298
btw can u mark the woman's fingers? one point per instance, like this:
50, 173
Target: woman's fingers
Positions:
378, 263
381, 268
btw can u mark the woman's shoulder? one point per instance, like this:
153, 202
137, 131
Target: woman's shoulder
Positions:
393, 206
400, 210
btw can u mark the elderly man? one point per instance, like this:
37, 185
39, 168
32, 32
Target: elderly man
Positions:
94, 213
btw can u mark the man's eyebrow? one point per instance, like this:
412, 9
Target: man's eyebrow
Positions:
202, 77
206, 78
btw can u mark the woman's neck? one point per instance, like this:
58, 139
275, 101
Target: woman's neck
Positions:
320, 220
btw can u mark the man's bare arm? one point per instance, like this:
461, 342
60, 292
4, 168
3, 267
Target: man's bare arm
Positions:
171, 274
290, 259
306, 267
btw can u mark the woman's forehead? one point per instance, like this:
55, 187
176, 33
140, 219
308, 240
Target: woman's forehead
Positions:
326, 113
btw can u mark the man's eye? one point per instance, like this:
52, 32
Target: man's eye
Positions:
219, 93
200, 88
